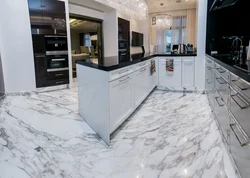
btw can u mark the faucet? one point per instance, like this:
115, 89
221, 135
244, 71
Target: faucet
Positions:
241, 48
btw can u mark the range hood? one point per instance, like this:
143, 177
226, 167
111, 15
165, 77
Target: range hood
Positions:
219, 4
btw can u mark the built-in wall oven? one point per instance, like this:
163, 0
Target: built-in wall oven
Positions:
51, 60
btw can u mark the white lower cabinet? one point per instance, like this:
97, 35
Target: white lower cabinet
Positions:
188, 72
141, 82
170, 79
121, 100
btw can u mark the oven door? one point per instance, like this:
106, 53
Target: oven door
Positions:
122, 44
57, 63
56, 43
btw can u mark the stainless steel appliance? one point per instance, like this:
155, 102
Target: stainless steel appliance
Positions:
123, 44
182, 49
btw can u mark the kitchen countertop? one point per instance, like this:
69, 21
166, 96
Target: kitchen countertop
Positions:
226, 61
112, 63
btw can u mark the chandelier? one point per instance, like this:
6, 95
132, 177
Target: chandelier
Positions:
135, 8
162, 21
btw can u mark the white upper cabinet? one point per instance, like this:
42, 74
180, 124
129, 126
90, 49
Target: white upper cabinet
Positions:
188, 66
168, 78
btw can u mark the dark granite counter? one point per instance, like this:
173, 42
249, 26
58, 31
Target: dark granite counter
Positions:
227, 61
113, 63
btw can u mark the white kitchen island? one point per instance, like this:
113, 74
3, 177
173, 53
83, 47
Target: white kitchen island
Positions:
109, 93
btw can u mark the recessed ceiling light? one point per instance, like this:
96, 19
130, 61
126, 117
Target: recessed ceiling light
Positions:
162, 4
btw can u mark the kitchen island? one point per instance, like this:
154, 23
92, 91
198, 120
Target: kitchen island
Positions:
109, 91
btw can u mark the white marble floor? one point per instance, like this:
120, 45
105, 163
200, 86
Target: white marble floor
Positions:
171, 135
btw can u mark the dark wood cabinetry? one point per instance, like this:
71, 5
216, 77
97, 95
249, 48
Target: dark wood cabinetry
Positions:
49, 35
124, 39
47, 17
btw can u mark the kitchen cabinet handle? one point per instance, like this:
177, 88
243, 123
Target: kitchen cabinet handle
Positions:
142, 64
123, 71
219, 80
238, 97
39, 55
58, 75
221, 70
123, 80
217, 99
242, 86
209, 68
242, 144
209, 81
142, 70
235, 124
208, 61
59, 82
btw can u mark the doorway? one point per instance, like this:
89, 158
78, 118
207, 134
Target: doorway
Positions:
86, 39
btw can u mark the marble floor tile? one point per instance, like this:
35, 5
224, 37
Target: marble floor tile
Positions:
171, 135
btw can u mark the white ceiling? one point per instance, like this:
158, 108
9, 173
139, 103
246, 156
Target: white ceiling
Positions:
170, 5
85, 26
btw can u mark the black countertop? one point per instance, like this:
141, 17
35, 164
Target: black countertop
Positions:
227, 61
112, 63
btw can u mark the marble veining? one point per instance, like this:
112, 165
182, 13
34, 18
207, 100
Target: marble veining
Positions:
171, 135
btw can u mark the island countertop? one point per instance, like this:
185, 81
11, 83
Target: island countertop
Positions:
112, 63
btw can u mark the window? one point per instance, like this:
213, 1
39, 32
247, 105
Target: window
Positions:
168, 40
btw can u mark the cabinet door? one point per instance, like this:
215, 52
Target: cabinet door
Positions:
54, 17
36, 16
141, 82
121, 100
170, 79
188, 72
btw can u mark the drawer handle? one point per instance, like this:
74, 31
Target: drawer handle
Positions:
242, 86
209, 68
39, 55
58, 75
238, 97
142, 70
123, 80
208, 61
221, 82
123, 71
142, 64
217, 99
209, 81
237, 137
59, 82
221, 70
235, 124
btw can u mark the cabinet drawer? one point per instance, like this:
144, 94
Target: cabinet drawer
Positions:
164, 59
141, 65
221, 114
239, 148
209, 62
58, 82
222, 71
222, 87
58, 75
241, 86
120, 73
240, 109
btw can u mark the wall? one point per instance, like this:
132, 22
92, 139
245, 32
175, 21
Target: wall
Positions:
76, 8
201, 38
75, 41
110, 34
16, 46
141, 26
